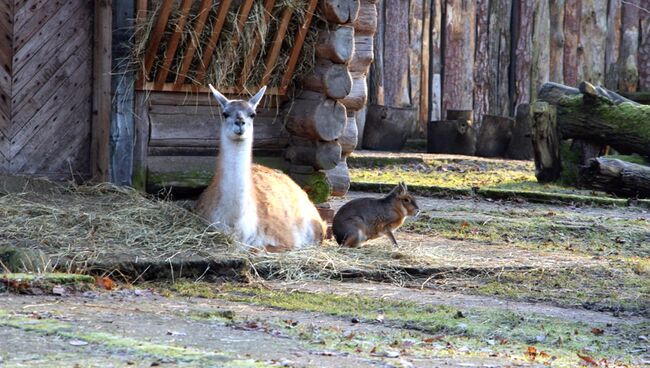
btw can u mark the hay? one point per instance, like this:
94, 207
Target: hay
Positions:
227, 62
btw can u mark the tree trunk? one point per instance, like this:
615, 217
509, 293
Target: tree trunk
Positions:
523, 52
315, 117
612, 47
593, 29
339, 11
546, 142
627, 61
395, 51
451, 136
335, 44
600, 116
616, 176
363, 55
319, 155
387, 128
334, 80
520, 147
494, 136
482, 79
499, 57
366, 22
540, 63
644, 50
458, 76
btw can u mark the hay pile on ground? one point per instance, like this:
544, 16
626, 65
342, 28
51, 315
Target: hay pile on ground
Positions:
225, 69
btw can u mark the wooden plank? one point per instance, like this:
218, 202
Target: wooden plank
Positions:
396, 42
140, 19
30, 19
593, 25
499, 57
244, 11
193, 88
257, 45
523, 52
424, 75
416, 69
204, 10
644, 48
556, 56
141, 135
156, 36
435, 47
224, 5
613, 44
627, 63
572, 14
172, 45
274, 52
482, 80
376, 79
101, 122
540, 68
459, 33
297, 46
6, 52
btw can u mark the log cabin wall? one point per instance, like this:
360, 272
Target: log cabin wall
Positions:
490, 56
306, 129
46, 87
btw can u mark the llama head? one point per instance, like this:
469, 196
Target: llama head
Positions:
237, 122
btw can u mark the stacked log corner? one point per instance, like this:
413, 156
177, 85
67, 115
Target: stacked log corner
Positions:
322, 119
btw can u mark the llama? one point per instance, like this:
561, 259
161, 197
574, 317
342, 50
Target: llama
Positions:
261, 208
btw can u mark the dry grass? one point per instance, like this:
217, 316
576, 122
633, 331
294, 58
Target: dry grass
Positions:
226, 66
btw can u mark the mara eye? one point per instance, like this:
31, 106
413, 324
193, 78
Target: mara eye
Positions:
408, 200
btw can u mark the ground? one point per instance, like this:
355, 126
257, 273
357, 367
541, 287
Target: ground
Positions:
474, 282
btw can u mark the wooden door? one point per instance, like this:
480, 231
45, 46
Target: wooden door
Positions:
45, 87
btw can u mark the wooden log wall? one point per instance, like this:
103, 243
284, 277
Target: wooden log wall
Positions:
490, 56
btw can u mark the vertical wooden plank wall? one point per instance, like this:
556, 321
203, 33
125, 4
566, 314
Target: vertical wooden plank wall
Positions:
101, 121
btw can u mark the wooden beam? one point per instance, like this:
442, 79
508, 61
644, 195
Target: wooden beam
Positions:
297, 46
157, 33
101, 121
273, 54
214, 37
140, 18
163, 71
204, 10
195, 88
252, 54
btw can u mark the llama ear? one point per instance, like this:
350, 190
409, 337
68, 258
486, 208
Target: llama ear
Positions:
255, 100
223, 101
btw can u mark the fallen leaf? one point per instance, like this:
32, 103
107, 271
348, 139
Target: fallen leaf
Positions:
104, 282
597, 331
543, 354
464, 225
589, 360
531, 352
373, 350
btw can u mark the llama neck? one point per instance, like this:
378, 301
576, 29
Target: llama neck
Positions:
235, 179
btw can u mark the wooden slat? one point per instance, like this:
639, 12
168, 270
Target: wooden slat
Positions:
101, 122
158, 32
214, 37
170, 51
297, 46
276, 45
244, 11
252, 55
194, 88
140, 19
204, 10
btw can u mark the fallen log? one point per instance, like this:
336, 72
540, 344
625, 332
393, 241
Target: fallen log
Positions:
600, 116
616, 176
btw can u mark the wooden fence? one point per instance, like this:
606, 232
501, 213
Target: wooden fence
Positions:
489, 56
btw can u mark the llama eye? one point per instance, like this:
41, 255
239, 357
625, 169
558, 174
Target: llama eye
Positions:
225, 115
252, 115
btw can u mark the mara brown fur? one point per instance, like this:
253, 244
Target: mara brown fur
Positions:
364, 219
259, 207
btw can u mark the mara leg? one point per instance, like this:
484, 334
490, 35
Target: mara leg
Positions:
354, 238
390, 236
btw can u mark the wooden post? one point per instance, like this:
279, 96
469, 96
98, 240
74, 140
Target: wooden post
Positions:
499, 56
523, 52
482, 79
494, 136
520, 147
546, 142
121, 163
572, 11
435, 66
101, 122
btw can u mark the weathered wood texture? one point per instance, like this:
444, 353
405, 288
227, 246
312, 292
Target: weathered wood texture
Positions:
499, 56
612, 46
600, 116
317, 154
387, 128
333, 80
458, 51
556, 52
540, 68
339, 178
627, 60
593, 30
339, 11
395, 53
335, 44
316, 117
644, 48
451, 136
350, 136
546, 142
616, 176
482, 79
46, 51
494, 136
523, 20
520, 147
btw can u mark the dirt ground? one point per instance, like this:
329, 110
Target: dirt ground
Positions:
520, 284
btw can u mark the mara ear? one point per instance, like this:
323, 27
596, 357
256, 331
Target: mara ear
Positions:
255, 100
404, 188
221, 99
